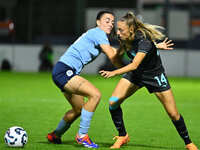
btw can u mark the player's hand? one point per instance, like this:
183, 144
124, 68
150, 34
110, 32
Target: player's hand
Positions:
107, 74
165, 45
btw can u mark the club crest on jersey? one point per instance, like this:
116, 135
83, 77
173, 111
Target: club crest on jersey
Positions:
69, 73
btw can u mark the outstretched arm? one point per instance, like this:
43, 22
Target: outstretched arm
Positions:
130, 67
165, 45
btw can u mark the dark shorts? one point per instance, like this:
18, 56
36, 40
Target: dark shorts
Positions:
154, 83
61, 74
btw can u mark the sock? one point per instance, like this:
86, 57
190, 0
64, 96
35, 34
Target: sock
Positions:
61, 128
182, 130
117, 118
84, 126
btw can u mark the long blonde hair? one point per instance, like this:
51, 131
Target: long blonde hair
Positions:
147, 30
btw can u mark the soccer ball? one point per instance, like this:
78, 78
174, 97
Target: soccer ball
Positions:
16, 137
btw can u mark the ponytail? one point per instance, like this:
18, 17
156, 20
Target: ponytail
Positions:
147, 30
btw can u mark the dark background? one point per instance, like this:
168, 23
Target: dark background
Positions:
62, 21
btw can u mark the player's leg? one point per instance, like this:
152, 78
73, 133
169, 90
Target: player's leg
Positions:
77, 102
123, 90
167, 100
67, 80
79, 85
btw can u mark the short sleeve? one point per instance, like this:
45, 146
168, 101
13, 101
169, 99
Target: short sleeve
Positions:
100, 37
144, 46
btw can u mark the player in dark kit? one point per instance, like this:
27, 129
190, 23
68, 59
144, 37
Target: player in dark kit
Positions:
150, 72
145, 69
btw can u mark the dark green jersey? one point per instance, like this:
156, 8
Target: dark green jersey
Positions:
152, 63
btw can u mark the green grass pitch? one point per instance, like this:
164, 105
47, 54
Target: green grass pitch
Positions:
32, 101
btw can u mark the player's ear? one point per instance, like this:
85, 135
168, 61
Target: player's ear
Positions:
131, 29
98, 23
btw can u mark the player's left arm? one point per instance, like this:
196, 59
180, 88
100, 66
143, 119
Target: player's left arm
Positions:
165, 45
130, 67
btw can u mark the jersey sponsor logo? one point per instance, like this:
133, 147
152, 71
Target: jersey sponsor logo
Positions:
69, 73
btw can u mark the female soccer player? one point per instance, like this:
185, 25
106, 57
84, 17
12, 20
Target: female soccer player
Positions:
145, 69
74, 87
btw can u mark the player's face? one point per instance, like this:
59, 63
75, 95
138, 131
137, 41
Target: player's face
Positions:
106, 23
123, 30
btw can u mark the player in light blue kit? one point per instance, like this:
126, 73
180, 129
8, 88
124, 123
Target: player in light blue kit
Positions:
74, 87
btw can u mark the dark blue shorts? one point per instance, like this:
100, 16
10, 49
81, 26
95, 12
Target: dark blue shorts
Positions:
61, 74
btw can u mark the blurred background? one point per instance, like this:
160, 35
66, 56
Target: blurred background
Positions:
35, 33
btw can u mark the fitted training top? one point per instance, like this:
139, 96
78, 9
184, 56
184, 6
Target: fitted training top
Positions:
152, 63
85, 49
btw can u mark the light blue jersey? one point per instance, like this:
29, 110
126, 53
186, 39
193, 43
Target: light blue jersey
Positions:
85, 49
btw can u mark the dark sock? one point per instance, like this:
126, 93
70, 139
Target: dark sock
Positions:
117, 118
182, 130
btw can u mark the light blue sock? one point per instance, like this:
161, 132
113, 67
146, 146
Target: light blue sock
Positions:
86, 117
61, 128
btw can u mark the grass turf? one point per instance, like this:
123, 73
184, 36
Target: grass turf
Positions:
32, 101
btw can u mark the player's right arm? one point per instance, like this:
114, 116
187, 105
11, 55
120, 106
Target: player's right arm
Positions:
112, 55
119, 52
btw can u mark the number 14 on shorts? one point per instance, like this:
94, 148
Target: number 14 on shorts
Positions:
162, 81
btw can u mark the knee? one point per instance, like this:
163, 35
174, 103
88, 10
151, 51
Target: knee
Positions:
113, 103
96, 96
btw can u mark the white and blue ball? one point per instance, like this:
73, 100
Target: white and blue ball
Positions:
16, 137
